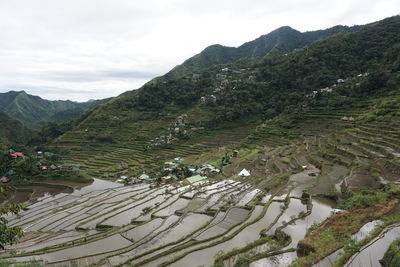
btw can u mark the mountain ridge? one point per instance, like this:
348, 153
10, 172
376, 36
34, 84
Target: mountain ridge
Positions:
279, 41
252, 90
35, 111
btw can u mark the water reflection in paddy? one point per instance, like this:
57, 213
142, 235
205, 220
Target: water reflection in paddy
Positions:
371, 255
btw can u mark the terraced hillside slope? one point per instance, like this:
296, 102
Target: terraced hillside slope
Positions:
317, 129
293, 209
222, 107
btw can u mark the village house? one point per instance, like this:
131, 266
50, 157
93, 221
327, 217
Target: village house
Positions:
53, 167
16, 155
207, 169
194, 179
169, 179
69, 167
326, 90
345, 118
10, 173
213, 98
39, 155
244, 173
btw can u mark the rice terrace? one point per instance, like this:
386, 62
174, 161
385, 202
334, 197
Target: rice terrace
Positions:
283, 151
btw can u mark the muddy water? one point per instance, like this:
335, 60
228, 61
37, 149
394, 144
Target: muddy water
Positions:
248, 197
266, 198
247, 235
233, 217
256, 212
328, 261
169, 210
108, 244
366, 230
293, 210
234, 195
190, 223
278, 260
68, 236
371, 255
213, 200
97, 185
141, 231
217, 219
147, 243
222, 187
321, 210
49, 203
31, 193
126, 217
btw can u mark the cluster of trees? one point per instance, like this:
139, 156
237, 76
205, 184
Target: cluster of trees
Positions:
9, 235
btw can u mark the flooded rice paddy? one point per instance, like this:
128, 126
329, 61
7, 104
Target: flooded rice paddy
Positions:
107, 224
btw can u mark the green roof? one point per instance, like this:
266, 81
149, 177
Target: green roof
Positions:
195, 178
68, 165
11, 172
143, 177
150, 179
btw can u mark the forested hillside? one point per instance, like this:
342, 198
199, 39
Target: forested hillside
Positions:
13, 131
342, 71
36, 112
278, 42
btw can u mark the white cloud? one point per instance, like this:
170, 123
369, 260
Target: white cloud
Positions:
74, 49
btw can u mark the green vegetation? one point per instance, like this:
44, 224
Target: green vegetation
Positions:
392, 255
326, 237
341, 144
278, 42
363, 199
13, 131
9, 235
36, 112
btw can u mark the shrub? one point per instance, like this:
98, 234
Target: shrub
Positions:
363, 199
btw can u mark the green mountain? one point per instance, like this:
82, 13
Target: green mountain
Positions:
278, 42
14, 131
35, 111
359, 69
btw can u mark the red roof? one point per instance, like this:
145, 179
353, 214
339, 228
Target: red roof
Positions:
18, 154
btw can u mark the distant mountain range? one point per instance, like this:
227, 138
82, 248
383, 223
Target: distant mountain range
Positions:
278, 42
35, 111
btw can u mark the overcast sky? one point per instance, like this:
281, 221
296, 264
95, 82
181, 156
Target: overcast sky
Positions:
91, 49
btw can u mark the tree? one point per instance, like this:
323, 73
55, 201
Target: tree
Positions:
8, 235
